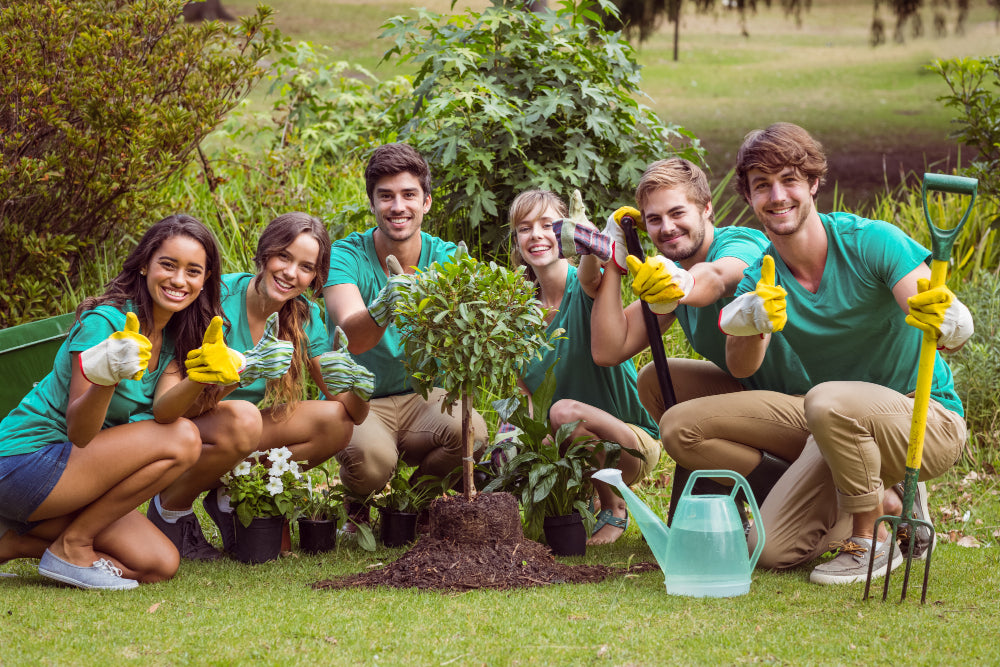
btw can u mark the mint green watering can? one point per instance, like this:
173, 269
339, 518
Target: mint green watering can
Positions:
704, 553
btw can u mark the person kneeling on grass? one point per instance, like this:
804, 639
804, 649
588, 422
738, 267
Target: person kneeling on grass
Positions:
81, 451
851, 297
284, 335
604, 399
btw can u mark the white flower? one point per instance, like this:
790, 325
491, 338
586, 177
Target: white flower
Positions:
294, 467
226, 479
279, 454
274, 486
256, 455
278, 467
242, 468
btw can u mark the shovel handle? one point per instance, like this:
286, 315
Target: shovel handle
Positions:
943, 239
634, 247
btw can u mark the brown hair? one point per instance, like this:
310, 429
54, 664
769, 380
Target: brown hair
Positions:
392, 159
675, 173
771, 150
281, 232
525, 204
187, 328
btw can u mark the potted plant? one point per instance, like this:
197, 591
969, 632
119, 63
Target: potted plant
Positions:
550, 473
263, 496
468, 325
401, 501
322, 510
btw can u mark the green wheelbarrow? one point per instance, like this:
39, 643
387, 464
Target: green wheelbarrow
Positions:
942, 241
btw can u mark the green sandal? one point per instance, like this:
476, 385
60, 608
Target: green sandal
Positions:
606, 518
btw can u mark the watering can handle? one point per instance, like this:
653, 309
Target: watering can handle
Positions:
739, 482
943, 239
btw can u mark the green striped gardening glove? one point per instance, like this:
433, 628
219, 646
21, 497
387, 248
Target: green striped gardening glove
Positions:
341, 373
383, 308
270, 358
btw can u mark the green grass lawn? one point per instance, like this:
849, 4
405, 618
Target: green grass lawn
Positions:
230, 613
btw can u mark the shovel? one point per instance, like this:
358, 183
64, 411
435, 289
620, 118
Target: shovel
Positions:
941, 243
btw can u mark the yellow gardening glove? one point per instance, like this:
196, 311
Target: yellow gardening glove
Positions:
759, 312
213, 362
659, 282
939, 312
124, 355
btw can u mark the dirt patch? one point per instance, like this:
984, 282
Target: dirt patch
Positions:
477, 545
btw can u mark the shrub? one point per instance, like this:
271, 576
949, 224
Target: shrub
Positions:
507, 100
975, 95
977, 365
99, 104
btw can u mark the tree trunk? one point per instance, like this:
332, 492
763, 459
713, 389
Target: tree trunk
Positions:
209, 10
467, 480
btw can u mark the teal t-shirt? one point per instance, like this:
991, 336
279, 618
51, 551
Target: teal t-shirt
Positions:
353, 260
234, 306
852, 328
40, 418
612, 389
781, 369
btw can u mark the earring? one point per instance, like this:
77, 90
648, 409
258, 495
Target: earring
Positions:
142, 271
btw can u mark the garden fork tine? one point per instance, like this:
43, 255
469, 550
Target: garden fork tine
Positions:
941, 243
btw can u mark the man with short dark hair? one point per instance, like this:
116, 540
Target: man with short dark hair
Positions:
360, 295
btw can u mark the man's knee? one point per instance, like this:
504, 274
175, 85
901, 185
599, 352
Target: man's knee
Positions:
365, 469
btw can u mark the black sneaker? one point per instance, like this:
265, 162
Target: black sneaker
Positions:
224, 520
921, 512
185, 534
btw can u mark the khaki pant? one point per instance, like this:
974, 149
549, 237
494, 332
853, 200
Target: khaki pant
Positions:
410, 427
860, 433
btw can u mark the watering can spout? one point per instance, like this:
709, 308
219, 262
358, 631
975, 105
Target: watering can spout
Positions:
652, 527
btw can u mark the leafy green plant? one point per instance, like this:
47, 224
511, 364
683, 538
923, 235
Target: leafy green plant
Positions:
975, 95
505, 100
102, 102
464, 322
550, 473
326, 501
977, 365
256, 489
405, 494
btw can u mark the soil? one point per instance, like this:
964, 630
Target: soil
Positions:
477, 545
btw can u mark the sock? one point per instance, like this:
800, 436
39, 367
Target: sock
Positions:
222, 498
170, 516
867, 543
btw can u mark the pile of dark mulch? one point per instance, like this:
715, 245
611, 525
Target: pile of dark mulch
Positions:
477, 545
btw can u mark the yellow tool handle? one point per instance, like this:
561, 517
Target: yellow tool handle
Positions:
925, 377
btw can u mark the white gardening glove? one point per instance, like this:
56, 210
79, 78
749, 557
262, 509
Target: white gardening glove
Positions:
759, 312
614, 230
939, 312
124, 355
659, 282
383, 308
341, 373
270, 358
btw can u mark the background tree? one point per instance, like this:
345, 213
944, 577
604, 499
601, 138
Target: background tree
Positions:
206, 10
506, 100
100, 102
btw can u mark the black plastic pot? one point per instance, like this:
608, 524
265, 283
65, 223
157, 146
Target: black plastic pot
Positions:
397, 528
317, 535
260, 541
565, 535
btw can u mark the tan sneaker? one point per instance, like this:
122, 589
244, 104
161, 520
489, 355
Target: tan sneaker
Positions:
851, 563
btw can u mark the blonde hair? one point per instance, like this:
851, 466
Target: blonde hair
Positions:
675, 173
523, 206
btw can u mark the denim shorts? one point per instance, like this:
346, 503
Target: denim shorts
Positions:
26, 480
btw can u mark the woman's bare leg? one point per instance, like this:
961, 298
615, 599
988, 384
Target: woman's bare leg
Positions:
314, 431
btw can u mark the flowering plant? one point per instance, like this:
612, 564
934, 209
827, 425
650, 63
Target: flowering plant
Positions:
271, 488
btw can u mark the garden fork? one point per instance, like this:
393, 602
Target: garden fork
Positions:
941, 244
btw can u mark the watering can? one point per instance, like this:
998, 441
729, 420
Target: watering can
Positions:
704, 553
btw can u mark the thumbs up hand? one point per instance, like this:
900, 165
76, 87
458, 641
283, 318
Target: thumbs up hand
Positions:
341, 373
759, 312
383, 308
124, 355
270, 358
213, 362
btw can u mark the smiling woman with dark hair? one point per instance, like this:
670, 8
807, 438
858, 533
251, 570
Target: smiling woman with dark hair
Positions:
81, 452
